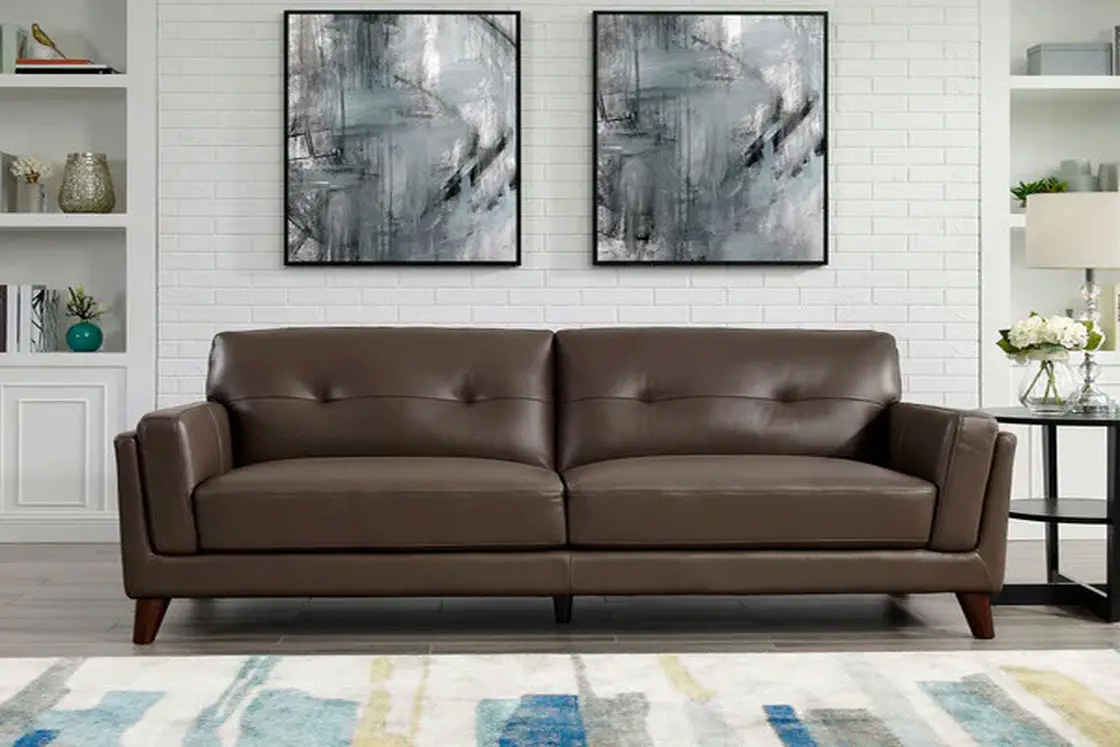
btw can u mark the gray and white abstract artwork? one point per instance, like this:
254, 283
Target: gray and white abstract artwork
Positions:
710, 138
402, 138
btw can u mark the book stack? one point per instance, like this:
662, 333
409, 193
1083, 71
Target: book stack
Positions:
30, 319
30, 66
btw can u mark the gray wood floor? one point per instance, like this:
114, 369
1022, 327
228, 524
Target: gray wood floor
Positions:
66, 600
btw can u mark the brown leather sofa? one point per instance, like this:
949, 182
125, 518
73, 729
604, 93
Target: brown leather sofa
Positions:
419, 461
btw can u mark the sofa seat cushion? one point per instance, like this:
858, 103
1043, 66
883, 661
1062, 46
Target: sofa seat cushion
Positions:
381, 503
746, 502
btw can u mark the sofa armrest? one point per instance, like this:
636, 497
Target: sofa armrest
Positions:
179, 448
136, 543
953, 449
992, 548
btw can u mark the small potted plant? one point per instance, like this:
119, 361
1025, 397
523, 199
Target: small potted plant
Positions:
1048, 185
32, 172
1042, 345
84, 336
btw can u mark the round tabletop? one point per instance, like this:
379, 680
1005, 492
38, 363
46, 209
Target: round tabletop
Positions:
1023, 416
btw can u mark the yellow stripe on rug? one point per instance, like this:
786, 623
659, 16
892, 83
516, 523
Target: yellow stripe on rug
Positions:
1087, 712
683, 681
372, 729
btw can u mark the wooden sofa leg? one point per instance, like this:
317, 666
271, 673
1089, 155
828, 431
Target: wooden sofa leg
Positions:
147, 619
562, 608
977, 609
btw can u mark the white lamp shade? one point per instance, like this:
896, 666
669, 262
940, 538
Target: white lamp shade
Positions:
1074, 231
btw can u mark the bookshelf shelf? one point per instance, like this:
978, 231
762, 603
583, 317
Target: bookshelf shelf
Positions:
1065, 87
52, 82
62, 221
63, 360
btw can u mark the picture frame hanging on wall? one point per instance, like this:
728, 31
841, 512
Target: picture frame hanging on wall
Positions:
402, 138
710, 138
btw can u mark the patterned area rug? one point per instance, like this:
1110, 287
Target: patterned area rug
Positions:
1040, 699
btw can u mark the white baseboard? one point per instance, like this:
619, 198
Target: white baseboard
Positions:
73, 529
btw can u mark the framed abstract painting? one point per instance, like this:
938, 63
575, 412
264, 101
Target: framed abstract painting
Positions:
711, 138
402, 140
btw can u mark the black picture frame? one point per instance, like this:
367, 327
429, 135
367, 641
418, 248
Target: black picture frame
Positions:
479, 164
820, 108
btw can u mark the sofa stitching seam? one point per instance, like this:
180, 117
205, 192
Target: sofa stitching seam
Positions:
948, 471
655, 400
478, 401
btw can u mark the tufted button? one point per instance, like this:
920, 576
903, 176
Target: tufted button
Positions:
467, 393
786, 396
646, 396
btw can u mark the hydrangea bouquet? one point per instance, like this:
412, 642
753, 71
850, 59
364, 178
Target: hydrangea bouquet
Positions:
1042, 338
1047, 342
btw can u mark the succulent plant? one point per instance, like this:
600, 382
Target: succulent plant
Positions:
1043, 186
81, 305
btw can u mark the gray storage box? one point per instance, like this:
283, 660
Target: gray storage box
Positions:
1070, 59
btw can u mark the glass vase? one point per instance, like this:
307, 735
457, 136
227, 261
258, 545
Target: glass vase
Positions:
1049, 385
87, 185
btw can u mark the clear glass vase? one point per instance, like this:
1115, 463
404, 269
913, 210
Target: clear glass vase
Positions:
1049, 385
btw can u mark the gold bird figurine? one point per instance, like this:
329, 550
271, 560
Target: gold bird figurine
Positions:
41, 37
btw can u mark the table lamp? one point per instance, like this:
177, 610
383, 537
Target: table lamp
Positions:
1078, 231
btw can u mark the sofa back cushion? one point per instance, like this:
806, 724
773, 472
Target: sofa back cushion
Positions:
335, 391
644, 392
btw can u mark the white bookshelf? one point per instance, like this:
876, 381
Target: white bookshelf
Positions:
1058, 86
62, 221
65, 360
1029, 124
59, 411
54, 82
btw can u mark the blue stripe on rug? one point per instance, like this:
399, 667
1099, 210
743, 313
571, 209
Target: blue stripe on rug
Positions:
40, 738
254, 672
785, 723
490, 720
990, 717
545, 721
102, 725
292, 717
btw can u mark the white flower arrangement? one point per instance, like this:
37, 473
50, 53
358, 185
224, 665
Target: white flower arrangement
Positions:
1048, 338
31, 169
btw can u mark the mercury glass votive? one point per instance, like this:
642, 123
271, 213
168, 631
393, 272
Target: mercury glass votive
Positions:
87, 185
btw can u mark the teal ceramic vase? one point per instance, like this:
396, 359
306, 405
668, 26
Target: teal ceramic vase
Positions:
84, 337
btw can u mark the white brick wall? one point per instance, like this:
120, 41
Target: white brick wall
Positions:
905, 190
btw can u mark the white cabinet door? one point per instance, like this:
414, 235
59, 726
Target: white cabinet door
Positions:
57, 471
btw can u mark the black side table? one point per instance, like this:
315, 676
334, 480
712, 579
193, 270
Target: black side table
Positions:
1103, 600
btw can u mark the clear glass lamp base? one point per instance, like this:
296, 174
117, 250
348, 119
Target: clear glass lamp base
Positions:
1092, 401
